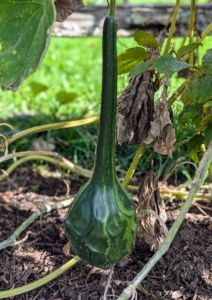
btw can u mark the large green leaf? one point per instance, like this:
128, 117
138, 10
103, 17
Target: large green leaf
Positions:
24, 38
140, 68
199, 88
202, 123
190, 112
208, 134
187, 49
130, 58
194, 146
207, 109
145, 39
207, 58
167, 64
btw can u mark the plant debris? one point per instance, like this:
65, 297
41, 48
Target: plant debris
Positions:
65, 8
161, 135
136, 108
149, 227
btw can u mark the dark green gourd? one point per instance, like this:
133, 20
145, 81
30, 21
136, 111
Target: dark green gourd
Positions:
101, 223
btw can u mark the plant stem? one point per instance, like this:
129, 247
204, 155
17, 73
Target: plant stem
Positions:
86, 173
43, 209
43, 155
191, 30
206, 32
112, 12
52, 126
42, 281
177, 93
171, 32
134, 164
167, 194
196, 184
11, 240
203, 149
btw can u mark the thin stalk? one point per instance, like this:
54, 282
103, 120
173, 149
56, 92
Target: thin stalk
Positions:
206, 32
196, 184
87, 174
191, 30
43, 209
44, 155
167, 194
203, 149
112, 12
181, 88
177, 93
134, 164
52, 126
172, 28
42, 281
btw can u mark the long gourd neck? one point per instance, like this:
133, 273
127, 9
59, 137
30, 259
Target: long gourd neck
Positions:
104, 168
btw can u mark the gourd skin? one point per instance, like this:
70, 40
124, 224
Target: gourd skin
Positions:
101, 223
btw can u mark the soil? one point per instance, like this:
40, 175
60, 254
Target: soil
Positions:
184, 272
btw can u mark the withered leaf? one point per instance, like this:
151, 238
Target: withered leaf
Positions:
149, 227
136, 108
161, 135
65, 8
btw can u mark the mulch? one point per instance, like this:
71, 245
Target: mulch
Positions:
184, 272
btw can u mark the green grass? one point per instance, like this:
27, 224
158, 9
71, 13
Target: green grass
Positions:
72, 65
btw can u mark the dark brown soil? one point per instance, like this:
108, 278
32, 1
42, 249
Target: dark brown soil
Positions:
185, 272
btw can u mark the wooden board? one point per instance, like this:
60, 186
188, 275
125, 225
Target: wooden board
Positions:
151, 18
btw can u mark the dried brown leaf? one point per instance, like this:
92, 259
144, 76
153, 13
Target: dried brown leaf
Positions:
65, 8
136, 108
161, 135
149, 227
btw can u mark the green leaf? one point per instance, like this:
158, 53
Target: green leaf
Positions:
140, 68
208, 134
65, 97
199, 88
37, 87
207, 58
190, 112
194, 146
130, 58
207, 109
187, 49
145, 39
24, 38
202, 123
167, 64
201, 115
